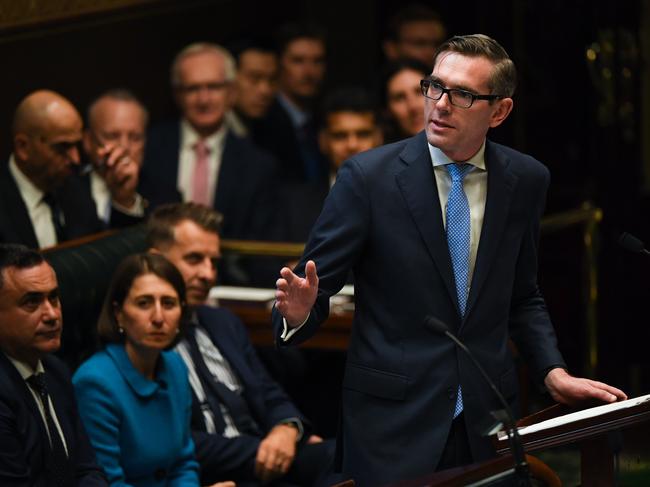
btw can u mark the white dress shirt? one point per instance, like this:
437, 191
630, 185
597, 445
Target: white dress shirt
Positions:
187, 160
220, 370
39, 212
475, 187
26, 372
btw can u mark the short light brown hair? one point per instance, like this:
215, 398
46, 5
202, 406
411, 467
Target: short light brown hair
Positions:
503, 79
164, 219
132, 267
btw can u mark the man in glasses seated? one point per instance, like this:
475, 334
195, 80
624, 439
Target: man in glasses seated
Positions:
43, 200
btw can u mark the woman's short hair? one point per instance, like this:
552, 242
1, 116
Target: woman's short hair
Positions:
130, 268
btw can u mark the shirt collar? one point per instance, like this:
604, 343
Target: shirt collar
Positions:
298, 117
24, 369
32, 195
142, 386
190, 137
439, 158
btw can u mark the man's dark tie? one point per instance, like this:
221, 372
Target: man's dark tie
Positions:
217, 393
57, 217
58, 459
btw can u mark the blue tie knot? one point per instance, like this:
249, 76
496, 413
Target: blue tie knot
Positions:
458, 171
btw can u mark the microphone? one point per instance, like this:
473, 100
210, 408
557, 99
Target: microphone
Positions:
521, 466
633, 244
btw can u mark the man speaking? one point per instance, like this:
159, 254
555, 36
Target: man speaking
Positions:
445, 224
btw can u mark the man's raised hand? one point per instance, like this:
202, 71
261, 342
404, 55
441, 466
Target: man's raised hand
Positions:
295, 296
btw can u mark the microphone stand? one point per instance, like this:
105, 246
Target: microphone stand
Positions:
522, 472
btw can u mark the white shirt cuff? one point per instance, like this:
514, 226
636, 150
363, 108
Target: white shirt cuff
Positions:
287, 332
137, 209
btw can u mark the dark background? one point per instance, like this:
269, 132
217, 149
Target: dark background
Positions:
582, 119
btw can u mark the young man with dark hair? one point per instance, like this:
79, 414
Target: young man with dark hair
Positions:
289, 130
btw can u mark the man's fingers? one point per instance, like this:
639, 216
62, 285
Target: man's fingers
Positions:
607, 392
310, 273
288, 274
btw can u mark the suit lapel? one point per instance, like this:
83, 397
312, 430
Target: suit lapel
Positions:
418, 187
22, 390
16, 210
60, 400
501, 184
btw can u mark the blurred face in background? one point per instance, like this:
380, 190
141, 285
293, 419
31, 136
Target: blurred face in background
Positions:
203, 93
348, 133
49, 153
115, 122
256, 82
404, 101
419, 40
302, 68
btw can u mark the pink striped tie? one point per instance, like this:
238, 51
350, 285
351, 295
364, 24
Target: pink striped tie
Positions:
200, 193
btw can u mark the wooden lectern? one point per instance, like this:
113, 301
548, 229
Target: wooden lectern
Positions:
591, 428
601, 432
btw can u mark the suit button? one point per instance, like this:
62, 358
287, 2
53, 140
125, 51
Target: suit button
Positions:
451, 393
160, 474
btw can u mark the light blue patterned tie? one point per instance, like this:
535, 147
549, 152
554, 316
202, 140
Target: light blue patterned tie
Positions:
458, 237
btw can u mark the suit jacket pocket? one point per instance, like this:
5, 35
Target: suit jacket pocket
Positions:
375, 382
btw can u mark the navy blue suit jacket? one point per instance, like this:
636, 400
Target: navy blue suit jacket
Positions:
73, 198
383, 220
268, 403
23, 437
245, 192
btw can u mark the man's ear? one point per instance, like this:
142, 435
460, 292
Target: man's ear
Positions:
21, 146
501, 112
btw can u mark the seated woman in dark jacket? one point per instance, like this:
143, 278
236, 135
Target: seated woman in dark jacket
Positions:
134, 396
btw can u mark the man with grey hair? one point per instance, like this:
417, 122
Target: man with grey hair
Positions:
113, 141
197, 158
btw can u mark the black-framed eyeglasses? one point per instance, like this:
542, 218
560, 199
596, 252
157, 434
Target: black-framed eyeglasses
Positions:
459, 98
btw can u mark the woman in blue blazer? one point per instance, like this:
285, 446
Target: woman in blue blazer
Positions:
134, 396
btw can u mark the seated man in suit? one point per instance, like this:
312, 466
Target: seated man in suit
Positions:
113, 141
256, 84
197, 158
288, 130
245, 428
43, 201
349, 125
42, 441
